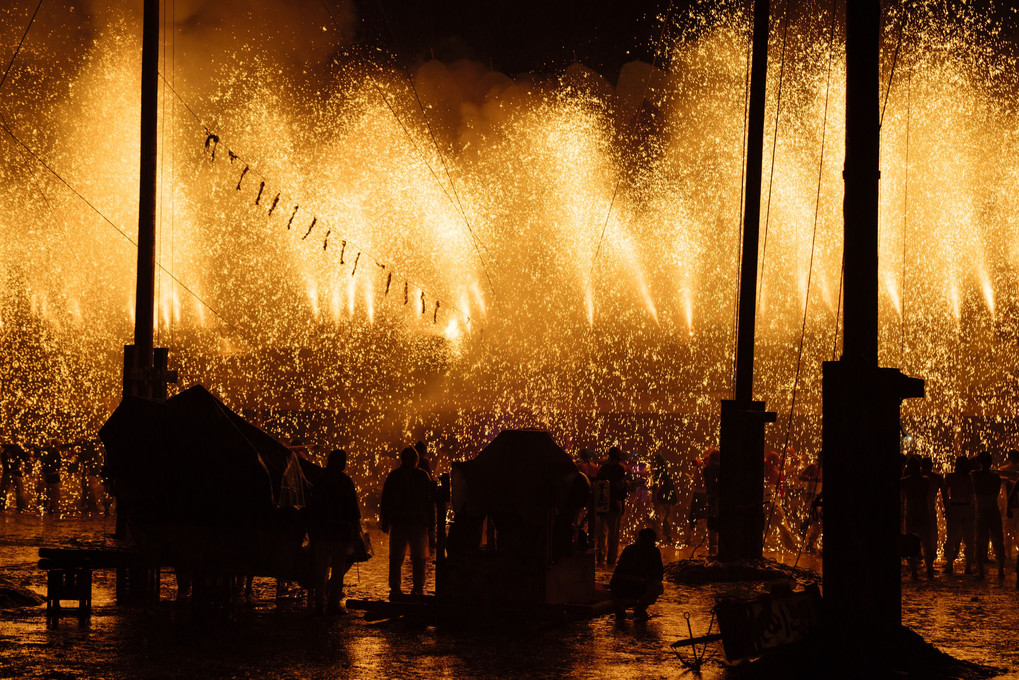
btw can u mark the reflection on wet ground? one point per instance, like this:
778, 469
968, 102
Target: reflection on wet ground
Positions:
972, 620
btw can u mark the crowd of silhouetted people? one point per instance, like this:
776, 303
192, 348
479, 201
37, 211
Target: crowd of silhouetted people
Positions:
631, 492
975, 506
54, 478
959, 515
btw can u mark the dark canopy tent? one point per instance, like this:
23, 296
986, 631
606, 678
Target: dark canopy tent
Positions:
530, 493
193, 476
522, 472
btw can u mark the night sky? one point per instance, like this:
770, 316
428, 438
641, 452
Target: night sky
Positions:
541, 35
518, 35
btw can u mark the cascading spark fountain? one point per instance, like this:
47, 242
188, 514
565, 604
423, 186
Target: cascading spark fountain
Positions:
495, 208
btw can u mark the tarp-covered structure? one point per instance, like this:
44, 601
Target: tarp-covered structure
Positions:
515, 534
522, 472
197, 480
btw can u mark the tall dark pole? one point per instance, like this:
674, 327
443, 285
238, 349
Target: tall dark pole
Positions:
862, 175
861, 401
138, 360
746, 327
741, 474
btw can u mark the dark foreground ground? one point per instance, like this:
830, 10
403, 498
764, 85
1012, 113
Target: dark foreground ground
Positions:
970, 619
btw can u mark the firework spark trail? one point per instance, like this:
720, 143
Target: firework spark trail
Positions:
635, 352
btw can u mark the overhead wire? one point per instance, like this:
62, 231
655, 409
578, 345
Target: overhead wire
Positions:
454, 202
251, 167
884, 105
173, 163
810, 269
742, 206
774, 148
895, 59
633, 132
161, 160
431, 132
20, 43
905, 222
6, 128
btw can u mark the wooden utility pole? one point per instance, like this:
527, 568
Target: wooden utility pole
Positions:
145, 366
145, 373
741, 469
861, 401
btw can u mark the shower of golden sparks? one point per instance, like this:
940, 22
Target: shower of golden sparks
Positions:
513, 183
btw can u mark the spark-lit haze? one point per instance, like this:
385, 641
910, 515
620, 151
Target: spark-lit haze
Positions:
578, 229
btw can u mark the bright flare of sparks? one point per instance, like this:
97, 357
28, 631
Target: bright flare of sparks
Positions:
510, 241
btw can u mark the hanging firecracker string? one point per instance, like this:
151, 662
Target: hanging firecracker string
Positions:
312, 226
211, 143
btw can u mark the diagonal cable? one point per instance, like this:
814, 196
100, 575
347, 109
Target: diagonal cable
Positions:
454, 201
6, 128
20, 43
633, 131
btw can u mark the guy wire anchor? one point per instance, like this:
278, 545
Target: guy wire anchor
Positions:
697, 661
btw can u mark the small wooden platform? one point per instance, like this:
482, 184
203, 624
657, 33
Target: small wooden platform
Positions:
69, 577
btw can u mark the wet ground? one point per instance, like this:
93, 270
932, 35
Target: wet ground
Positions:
974, 620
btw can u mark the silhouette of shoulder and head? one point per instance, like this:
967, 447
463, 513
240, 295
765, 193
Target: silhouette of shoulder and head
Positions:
913, 467
409, 457
337, 461
962, 465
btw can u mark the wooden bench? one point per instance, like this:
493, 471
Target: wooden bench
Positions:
69, 577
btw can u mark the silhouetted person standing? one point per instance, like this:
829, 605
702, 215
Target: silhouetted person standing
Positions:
638, 576
608, 522
423, 461
914, 487
587, 465
665, 496
334, 523
713, 494
936, 485
89, 463
406, 511
1010, 474
50, 462
14, 459
959, 514
426, 464
986, 487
